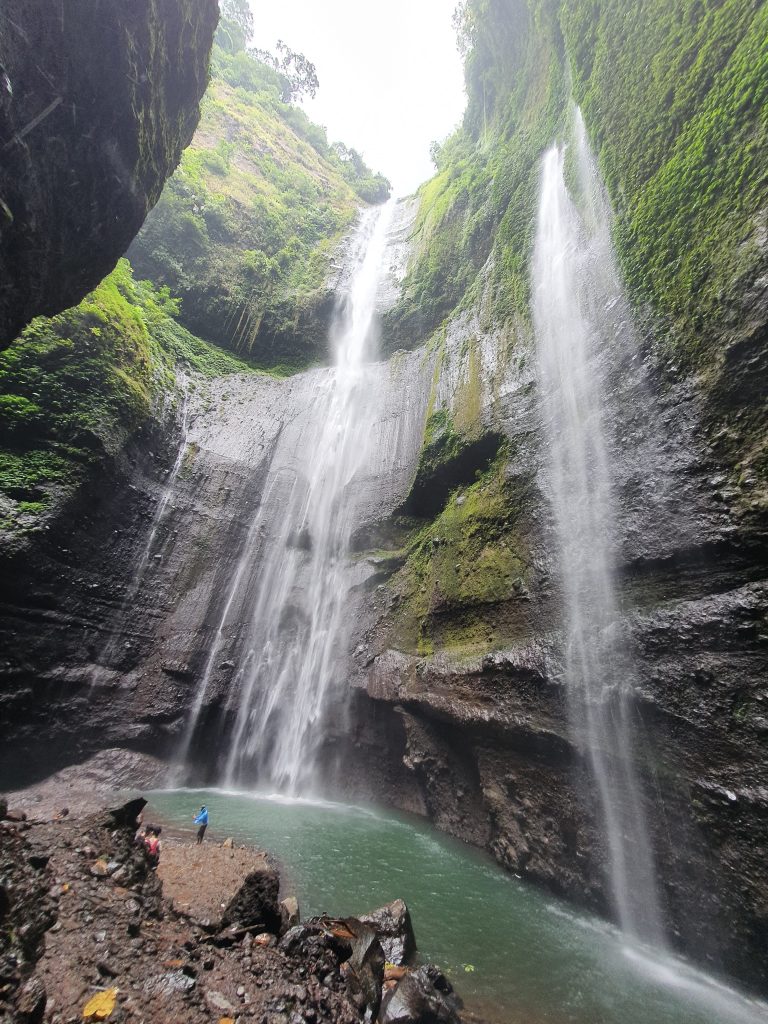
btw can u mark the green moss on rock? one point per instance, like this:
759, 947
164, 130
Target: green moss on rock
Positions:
473, 555
74, 388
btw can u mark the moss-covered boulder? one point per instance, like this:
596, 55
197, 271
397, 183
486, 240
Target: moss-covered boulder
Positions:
97, 102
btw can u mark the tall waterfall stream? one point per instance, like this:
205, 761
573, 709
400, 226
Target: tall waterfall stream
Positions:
578, 315
287, 681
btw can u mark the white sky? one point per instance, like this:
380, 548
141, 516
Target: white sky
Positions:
391, 79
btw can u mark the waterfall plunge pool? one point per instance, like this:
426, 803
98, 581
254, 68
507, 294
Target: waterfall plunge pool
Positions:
514, 954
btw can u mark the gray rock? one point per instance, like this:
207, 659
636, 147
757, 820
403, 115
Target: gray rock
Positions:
219, 1002
255, 903
393, 927
289, 910
422, 997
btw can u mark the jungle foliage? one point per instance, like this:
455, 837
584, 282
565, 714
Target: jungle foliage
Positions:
675, 97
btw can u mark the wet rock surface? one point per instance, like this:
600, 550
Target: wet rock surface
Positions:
472, 703
466, 720
425, 995
392, 924
98, 107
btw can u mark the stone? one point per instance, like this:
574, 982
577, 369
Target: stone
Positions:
424, 996
219, 1002
364, 971
290, 914
255, 903
30, 1005
394, 929
76, 192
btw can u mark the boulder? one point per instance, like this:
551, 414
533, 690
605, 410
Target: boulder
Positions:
255, 903
424, 996
125, 816
364, 971
289, 910
30, 1006
392, 924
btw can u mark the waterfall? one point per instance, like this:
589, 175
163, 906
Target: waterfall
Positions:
288, 680
580, 319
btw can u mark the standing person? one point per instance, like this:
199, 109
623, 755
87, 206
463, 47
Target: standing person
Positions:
201, 819
152, 844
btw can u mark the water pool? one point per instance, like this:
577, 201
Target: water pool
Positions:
515, 955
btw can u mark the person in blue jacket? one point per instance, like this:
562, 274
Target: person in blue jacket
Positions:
201, 819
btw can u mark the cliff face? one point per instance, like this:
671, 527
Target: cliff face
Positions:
98, 102
108, 618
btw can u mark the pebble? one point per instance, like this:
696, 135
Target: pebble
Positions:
241, 990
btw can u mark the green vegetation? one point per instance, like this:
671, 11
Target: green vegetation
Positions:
242, 237
676, 97
482, 200
247, 228
473, 556
677, 103
75, 387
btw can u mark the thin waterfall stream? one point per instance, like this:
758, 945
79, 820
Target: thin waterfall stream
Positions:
109, 648
287, 684
578, 307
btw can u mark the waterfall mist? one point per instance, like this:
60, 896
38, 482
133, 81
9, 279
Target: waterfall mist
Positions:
579, 315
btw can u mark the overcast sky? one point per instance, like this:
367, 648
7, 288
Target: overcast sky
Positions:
390, 75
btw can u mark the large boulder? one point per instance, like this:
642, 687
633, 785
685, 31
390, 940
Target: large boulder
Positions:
348, 943
392, 924
97, 102
255, 904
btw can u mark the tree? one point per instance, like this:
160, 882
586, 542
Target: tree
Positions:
235, 25
298, 73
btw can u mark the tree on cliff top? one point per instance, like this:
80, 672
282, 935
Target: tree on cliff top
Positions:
235, 25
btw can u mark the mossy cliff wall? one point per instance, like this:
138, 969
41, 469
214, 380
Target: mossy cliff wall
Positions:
462, 675
97, 102
247, 231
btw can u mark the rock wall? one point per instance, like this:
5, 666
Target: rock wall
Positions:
468, 689
465, 665
97, 102
107, 622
